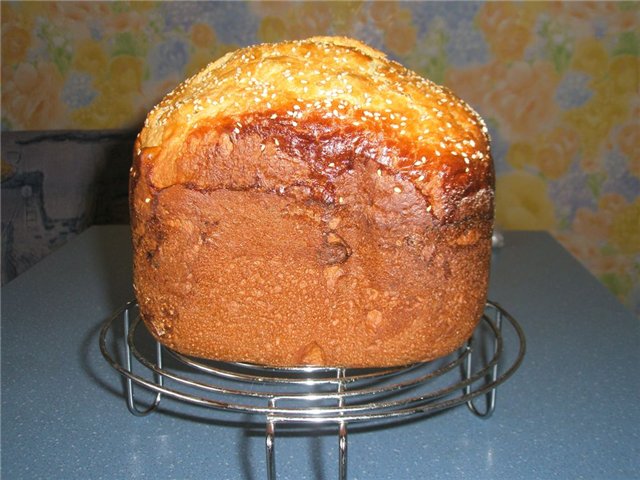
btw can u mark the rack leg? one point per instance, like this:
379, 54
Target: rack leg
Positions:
491, 396
342, 445
342, 430
270, 445
270, 437
129, 365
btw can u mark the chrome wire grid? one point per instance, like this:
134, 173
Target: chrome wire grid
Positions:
312, 395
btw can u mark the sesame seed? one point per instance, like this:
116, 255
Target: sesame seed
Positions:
147, 200
262, 147
379, 172
275, 140
274, 116
340, 200
421, 178
429, 208
397, 189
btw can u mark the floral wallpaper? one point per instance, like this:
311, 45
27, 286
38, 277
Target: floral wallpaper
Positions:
558, 84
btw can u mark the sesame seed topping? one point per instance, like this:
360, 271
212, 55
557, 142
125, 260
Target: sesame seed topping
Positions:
429, 208
147, 200
397, 189
275, 140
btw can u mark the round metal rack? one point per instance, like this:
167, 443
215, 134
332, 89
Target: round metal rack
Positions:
312, 395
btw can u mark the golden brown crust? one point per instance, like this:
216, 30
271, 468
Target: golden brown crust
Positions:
312, 202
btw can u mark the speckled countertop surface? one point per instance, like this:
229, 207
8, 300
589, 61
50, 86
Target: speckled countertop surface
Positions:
571, 411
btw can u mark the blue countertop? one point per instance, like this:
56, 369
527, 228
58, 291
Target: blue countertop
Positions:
572, 410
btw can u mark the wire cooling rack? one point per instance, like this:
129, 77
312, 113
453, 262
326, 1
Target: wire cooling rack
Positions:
317, 395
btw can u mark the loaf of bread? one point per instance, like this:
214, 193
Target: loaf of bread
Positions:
311, 203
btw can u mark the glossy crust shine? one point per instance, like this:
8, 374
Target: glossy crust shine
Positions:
311, 202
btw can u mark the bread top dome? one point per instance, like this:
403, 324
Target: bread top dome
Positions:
330, 101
